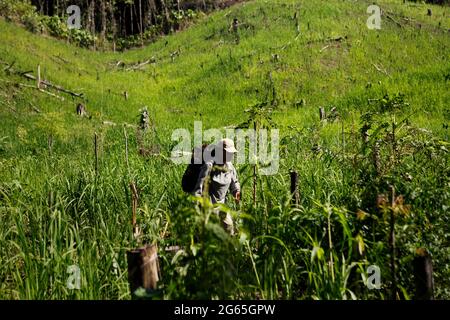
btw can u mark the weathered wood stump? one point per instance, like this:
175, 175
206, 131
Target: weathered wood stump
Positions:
143, 268
322, 114
81, 109
423, 275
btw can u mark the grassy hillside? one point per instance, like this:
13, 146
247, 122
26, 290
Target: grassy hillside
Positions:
56, 211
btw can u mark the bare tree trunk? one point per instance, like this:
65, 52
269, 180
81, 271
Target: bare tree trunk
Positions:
122, 24
151, 12
135, 15
41, 6
166, 15
103, 13
91, 15
131, 17
113, 24
140, 23
93, 20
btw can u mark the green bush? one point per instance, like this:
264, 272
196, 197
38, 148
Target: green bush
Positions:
14, 10
55, 27
25, 13
81, 38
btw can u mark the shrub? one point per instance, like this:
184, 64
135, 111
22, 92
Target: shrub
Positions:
14, 10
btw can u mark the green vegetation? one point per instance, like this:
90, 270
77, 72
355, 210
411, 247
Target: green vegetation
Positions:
390, 88
113, 24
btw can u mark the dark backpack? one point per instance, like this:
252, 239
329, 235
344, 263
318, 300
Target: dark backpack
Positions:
190, 176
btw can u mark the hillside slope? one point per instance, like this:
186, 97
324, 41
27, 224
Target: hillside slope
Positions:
212, 75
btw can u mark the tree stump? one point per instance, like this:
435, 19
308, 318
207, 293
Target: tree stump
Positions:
81, 109
423, 275
322, 113
143, 268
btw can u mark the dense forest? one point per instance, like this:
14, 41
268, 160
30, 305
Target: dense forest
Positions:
128, 22
125, 17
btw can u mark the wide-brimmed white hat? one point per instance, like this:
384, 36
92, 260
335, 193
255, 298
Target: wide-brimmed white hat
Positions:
228, 145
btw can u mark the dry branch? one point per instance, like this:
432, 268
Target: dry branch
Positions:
8, 67
109, 123
9, 106
324, 48
62, 59
54, 86
139, 65
41, 90
380, 70
395, 21
36, 109
336, 39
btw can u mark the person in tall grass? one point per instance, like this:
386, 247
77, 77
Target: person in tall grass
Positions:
222, 178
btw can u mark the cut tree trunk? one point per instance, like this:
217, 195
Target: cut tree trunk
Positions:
322, 113
143, 268
423, 275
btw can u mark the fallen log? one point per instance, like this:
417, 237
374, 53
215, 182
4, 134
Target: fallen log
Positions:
35, 109
380, 70
139, 65
324, 48
395, 21
8, 67
54, 86
41, 90
32, 87
113, 124
9, 106
109, 123
61, 58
